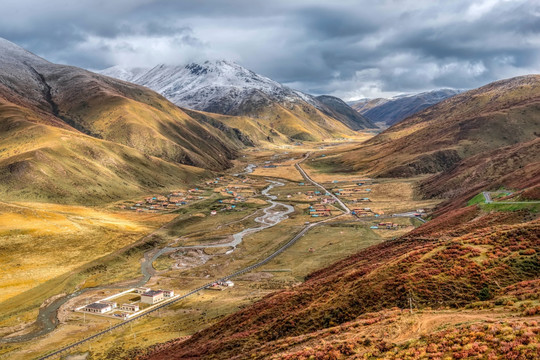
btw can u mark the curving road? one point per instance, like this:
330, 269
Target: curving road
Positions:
230, 276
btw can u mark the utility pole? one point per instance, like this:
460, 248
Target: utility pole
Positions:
410, 298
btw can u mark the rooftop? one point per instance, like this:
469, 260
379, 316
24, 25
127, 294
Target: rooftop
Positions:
97, 306
152, 293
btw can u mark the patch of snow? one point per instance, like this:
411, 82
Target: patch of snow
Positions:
205, 86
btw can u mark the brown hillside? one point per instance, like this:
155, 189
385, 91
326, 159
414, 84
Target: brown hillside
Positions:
109, 109
511, 167
500, 114
69, 135
442, 270
51, 164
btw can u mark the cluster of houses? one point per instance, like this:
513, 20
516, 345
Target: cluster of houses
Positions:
349, 192
360, 212
236, 193
147, 296
321, 196
319, 210
171, 201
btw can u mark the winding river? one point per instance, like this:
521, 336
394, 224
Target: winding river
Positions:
270, 217
47, 319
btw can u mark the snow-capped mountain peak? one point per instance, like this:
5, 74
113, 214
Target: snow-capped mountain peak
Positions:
218, 85
225, 87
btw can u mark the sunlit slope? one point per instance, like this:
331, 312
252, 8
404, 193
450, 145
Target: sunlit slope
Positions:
445, 266
502, 113
109, 109
50, 164
136, 117
278, 125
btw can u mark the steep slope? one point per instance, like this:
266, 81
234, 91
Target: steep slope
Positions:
227, 88
338, 109
393, 110
69, 135
500, 114
109, 109
46, 163
438, 268
512, 167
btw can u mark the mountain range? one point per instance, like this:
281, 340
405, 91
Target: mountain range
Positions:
226, 88
503, 113
444, 273
63, 128
393, 110
84, 126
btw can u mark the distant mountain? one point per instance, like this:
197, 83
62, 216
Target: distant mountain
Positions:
463, 258
366, 104
499, 114
227, 88
68, 134
339, 109
393, 110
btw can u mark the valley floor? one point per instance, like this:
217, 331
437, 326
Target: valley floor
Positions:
62, 249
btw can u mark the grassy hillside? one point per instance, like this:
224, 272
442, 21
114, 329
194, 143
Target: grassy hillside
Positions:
134, 116
276, 124
72, 136
435, 268
500, 114
297, 122
49, 164
512, 167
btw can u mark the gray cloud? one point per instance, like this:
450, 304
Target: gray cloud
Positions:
346, 48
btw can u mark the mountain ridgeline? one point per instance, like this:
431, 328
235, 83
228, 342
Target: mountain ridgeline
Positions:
466, 257
70, 135
226, 88
393, 110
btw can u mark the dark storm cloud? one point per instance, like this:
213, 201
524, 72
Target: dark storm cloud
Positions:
346, 48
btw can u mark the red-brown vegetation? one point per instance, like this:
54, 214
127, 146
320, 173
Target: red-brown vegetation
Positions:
446, 270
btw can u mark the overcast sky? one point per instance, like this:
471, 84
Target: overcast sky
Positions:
350, 49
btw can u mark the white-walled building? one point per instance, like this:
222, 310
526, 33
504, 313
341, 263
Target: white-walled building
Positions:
152, 296
130, 307
112, 303
97, 308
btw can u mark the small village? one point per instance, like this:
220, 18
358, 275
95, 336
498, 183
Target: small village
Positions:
354, 195
236, 190
160, 203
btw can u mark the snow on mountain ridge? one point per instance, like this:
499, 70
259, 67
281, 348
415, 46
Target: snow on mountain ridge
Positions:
201, 86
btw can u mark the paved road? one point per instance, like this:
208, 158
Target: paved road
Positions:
230, 276
489, 200
306, 176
